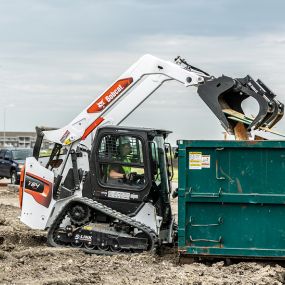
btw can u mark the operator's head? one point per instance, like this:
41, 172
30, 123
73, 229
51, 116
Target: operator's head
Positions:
125, 146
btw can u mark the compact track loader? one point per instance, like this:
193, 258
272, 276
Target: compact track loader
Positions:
116, 196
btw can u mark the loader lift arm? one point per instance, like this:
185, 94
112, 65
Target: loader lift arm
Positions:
130, 90
144, 77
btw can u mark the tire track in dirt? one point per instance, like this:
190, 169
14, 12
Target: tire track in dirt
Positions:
25, 258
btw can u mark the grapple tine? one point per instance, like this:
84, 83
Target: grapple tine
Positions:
272, 114
278, 117
255, 87
274, 106
278, 109
266, 106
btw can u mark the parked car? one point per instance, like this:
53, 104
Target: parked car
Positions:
12, 161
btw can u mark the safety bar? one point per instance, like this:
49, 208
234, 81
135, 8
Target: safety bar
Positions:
220, 221
206, 240
204, 195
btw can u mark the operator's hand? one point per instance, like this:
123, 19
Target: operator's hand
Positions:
134, 178
130, 176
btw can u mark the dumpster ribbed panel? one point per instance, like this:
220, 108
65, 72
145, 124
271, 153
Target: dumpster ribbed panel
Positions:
231, 198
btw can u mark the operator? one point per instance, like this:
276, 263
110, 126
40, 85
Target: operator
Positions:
122, 171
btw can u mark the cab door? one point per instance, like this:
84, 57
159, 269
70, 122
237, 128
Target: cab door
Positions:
119, 169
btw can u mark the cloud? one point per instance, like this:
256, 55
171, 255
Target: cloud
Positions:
56, 86
34, 25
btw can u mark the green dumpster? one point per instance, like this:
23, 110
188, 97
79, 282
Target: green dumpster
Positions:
231, 198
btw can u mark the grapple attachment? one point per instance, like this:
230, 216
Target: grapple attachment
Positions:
224, 96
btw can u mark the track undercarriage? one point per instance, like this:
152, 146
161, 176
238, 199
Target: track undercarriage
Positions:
78, 225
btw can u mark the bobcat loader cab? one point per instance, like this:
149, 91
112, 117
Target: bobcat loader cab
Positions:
72, 192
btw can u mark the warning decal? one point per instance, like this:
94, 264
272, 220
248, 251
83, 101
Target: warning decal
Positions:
206, 161
195, 160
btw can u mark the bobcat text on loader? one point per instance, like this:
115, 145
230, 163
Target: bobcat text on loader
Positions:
116, 196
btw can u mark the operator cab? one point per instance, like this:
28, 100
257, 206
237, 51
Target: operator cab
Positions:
130, 167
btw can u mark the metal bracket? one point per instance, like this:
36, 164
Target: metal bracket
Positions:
220, 221
204, 195
217, 166
75, 169
206, 240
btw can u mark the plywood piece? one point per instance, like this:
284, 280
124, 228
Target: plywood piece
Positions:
241, 118
240, 132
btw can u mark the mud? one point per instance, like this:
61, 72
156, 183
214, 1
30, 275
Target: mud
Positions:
25, 258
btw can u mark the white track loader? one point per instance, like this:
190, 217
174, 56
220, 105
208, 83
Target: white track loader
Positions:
116, 196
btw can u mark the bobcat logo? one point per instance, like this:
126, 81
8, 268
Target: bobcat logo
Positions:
101, 104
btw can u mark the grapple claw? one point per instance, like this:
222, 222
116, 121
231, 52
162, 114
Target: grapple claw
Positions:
277, 107
225, 93
278, 116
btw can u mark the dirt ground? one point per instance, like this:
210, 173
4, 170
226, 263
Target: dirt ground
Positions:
26, 259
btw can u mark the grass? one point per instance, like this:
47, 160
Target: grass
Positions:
175, 174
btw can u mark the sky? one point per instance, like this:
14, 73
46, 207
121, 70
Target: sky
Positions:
57, 56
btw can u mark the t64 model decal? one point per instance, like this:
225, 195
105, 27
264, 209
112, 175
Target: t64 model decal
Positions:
39, 188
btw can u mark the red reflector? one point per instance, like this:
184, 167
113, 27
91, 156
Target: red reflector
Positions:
22, 177
96, 123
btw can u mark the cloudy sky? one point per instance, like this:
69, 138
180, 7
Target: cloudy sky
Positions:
57, 56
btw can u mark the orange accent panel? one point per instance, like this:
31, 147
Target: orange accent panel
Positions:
96, 123
113, 92
43, 198
22, 176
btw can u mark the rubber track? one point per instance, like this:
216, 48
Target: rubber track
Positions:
107, 211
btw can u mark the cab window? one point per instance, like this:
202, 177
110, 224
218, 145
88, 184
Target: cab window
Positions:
121, 161
2, 152
21, 154
8, 155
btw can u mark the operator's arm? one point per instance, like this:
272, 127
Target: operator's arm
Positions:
115, 174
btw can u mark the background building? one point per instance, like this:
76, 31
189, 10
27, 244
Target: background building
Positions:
18, 139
